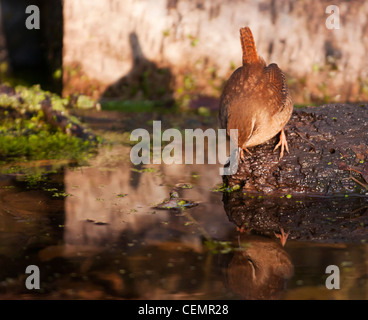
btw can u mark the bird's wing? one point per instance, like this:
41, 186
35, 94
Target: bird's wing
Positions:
237, 108
275, 91
240, 118
231, 89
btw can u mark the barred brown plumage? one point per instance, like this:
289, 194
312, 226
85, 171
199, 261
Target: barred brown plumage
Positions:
255, 99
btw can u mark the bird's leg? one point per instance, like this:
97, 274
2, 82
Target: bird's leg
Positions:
241, 229
282, 143
283, 236
241, 151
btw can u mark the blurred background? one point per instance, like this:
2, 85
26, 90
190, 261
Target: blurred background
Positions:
183, 50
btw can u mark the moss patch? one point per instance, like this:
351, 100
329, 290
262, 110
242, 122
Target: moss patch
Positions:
24, 133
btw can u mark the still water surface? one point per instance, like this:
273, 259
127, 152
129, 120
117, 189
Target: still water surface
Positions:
95, 234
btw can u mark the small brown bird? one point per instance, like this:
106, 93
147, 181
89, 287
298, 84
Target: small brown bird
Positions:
255, 100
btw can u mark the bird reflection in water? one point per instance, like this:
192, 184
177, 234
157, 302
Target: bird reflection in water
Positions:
260, 270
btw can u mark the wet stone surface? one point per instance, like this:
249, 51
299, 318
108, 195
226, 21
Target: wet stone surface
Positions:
328, 155
334, 219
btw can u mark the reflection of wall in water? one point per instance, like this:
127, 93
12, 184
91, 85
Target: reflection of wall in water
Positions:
95, 214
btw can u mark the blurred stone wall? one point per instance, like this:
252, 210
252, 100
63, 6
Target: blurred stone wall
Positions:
198, 40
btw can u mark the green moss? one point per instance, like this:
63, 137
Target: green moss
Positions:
60, 195
30, 99
189, 82
316, 67
182, 203
25, 135
166, 32
193, 40
128, 106
232, 66
216, 247
204, 111
224, 188
186, 186
143, 170
122, 195
44, 145
85, 102
35, 179
57, 74
299, 106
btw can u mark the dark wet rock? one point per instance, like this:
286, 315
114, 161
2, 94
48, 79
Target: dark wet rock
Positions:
327, 219
328, 155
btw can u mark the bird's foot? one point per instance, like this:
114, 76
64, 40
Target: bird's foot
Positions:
283, 144
241, 153
241, 229
283, 236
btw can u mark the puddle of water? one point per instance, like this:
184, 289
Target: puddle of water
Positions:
104, 239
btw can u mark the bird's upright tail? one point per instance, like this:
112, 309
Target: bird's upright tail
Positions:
248, 46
